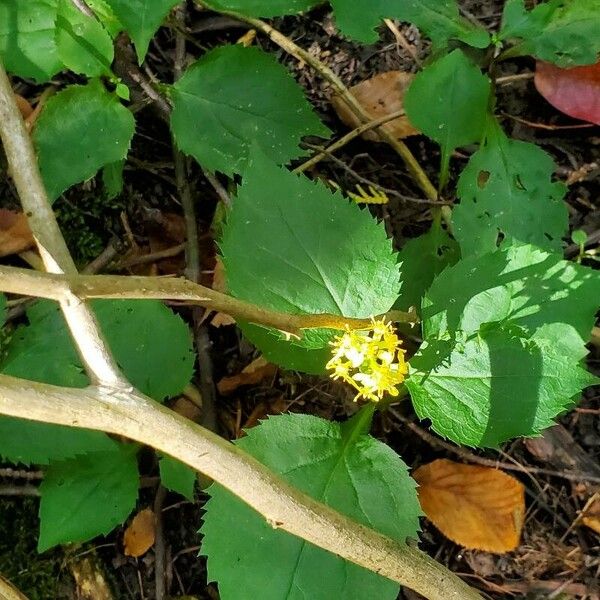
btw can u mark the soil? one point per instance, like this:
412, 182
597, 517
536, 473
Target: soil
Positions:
557, 557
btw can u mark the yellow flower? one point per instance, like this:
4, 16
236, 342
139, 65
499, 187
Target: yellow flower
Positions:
371, 360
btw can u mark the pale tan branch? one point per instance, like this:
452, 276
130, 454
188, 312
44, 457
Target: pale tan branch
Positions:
9, 592
132, 415
59, 287
25, 172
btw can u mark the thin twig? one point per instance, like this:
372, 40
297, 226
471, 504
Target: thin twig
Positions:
9, 592
159, 545
311, 162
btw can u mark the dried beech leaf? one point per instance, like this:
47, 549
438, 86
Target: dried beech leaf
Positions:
25, 107
15, 235
254, 373
139, 536
477, 507
380, 96
219, 284
575, 91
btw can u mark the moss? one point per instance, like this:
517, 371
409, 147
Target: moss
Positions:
37, 576
88, 221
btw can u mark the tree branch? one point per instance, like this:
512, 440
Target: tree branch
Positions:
130, 414
22, 161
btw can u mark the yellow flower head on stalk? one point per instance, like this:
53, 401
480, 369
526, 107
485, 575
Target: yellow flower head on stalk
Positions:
370, 360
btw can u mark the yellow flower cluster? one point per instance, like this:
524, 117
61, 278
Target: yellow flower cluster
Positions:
369, 360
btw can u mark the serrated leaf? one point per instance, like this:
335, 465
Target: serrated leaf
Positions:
177, 476
141, 19
561, 32
87, 496
106, 15
421, 259
491, 387
438, 19
235, 98
151, 344
80, 130
291, 245
29, 442
27, 45
448, 101
84, 46
522, 285
507, 194
364, 479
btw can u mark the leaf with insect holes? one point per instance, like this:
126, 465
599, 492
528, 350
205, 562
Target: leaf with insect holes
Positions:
448, 101
292, 245
27, 44
358, 476
574, 91
560, 32
477, 507
87, 496
141, 19
83, 43
80, 130
151, 344
507, 194
235, 98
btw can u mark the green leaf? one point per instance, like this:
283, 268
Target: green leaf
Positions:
561, 32
504, 337
112, 178
293, 246
522, 285
357, 475
151, 344
234, 98
448, 101
84, 46
87, 496
265, 8
141, 19
106, 15
507, 193
27, 45
3, 308
496, 386
177, 476
80, 130
438, 19
421, 259
29, 442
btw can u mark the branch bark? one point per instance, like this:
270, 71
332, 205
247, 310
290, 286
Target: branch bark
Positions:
130, 414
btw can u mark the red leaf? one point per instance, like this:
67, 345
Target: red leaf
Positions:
575, 92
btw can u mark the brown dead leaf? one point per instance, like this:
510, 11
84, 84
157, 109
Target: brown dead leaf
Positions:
380, 96
219, 284
477, 507
15, 235
139, 536
591, 514
254, 373
25, 107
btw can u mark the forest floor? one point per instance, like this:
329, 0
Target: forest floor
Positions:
557, 558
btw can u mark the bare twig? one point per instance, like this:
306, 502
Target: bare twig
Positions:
9, 592
159, 545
